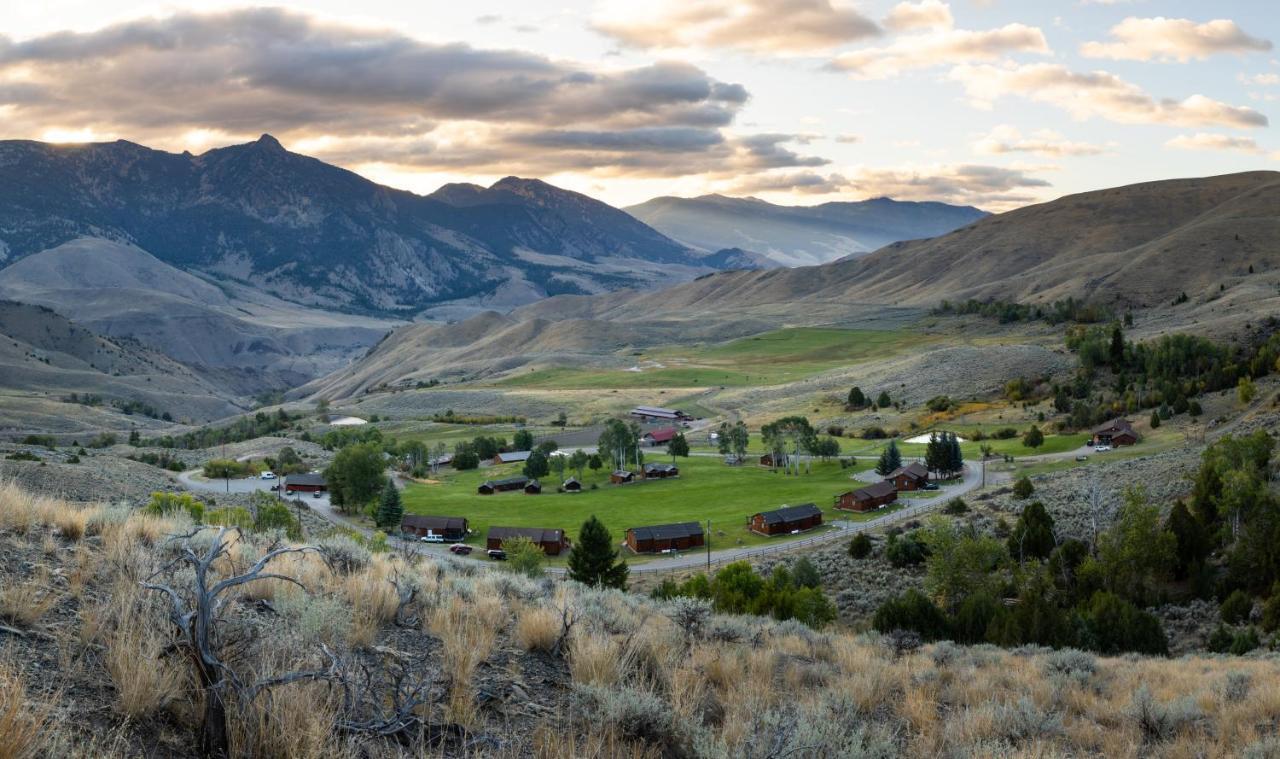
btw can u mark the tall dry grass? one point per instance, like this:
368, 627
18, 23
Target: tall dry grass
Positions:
24, 722
537, 629
24, 601
133, 628
467, 631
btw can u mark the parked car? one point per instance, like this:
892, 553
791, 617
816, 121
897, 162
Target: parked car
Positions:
497, 554
1102, 449
432, 538
932, 486
316, 494
1082, 458
268, 475
462, 549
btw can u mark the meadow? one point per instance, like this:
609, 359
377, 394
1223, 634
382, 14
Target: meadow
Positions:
706, 489
772, 358
972, 449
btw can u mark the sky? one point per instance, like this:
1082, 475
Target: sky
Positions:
993, 103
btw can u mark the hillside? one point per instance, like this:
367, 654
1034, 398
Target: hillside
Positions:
44, 358
799, 235
318, 235
480, 661
239, 339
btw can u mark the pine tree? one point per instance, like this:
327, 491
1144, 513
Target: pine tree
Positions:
594, 560
1032, 536
890, 459
390, 510
957, 455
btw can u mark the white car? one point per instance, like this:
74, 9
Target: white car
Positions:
1102, 449
268, 475
432, 538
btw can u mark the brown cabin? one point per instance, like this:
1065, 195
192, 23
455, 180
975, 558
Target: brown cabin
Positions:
1115, 432
451, 528
871, 497
913, 476
552, 542
621, 477
572, 485
489, 487
665, 537
660, 471
786, 520
305, 483
533, 487
768, 460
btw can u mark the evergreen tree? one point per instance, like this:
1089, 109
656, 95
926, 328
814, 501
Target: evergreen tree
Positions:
1192, 538
884, 401
536, 465
856, 398
1032, 536
390, 510
957, 455
678, 446
1155, 419
890, 459
1116, 353
594, 560
1033, 438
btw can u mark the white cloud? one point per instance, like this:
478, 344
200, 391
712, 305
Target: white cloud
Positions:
759, 26
926, 14
1096, 94
1265, 80
1208, 141
939, 48
1173, 39
1046, 142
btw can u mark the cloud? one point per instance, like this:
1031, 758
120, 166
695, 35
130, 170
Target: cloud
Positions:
1173, 39
992, 187
363, 96
1265, 80
1208, 141
848, 138
758, 26
949, 46
926, 14
1046, 142
1096, 94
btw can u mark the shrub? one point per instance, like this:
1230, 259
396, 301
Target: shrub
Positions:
1243, 642
1022, 488
690, 615
537, 629
1023, 720
905, 550
344, 554
1235, 687
911, 611
1236, 608
164, 504
860, 546
632, 713
938, 403
1161, 722
955, 506
524, 557
1071, 663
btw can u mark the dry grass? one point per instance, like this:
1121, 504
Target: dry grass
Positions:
373, 601
145, 679
537, 629
295, 721
23, 722
467, 633
25, 601
595, 659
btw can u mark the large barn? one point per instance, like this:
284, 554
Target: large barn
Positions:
665, 537
511, 457
653, 413
552, 542
305, 483
659, 436
868, 498
787, 519
451, 528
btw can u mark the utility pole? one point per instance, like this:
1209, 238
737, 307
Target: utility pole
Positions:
708, 542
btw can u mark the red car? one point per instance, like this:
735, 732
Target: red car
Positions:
461, 549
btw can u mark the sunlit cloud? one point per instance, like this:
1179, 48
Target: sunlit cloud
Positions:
758, 26
1173, 39
939, 48
1096, 94
1209, 141
1046, 142
926, 14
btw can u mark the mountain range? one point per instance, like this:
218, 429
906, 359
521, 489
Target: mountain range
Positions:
799, 235
1136, 247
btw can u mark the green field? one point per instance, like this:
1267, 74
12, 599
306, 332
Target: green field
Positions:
784, 355
706, 489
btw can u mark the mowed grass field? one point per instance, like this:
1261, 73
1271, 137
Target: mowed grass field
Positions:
706, 489
772, 358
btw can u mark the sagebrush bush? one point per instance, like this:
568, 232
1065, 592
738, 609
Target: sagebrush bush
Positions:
344, 554
1160, 722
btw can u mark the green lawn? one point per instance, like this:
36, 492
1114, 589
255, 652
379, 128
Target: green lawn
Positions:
771, 358
706, 489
